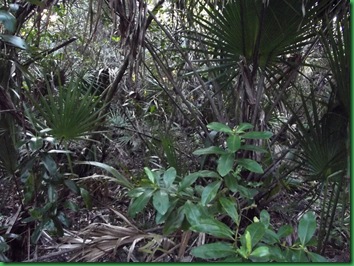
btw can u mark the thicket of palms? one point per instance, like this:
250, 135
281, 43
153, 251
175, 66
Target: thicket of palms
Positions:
174, 130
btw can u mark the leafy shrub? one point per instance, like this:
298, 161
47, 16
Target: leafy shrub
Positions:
181, 203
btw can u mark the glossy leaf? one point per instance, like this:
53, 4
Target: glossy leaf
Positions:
8, 20
233, 143
72, 186
230, 207
213, 250
209, 150
270, 237
169, 177
188, 180
50, 164
260, 254
243, 126
277, 254
248, 241
136, 192
265, 218
14, 41
247, 147
257, 135
150, 175
140, 203
219, 127
231, 182
250, 165
284, 231
210, 192
174, 222
213, 227
159, 219
316, 257
225, 164
161, 201
307, 227
299, 256
257, 231
194, 213
246, 192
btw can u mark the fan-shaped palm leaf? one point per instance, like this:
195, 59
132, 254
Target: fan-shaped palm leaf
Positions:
69, 113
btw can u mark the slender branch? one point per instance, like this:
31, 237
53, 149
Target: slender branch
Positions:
48, 52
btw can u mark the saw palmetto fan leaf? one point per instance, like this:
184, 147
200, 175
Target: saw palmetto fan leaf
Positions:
69, 113
255, 30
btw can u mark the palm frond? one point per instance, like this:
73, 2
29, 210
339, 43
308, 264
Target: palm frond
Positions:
69, 113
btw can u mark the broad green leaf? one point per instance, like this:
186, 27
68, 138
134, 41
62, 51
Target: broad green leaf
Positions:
233, 143
225, 163
209, 150
210, 192
265, 218
72, 186
208, 173
284, 231
277, 254
245, 192
260, 254
243, 126
307, 227
159, 219
194, 213
14, 41
270, 237
242, 251
161, 201
120, 179
191, 178
257, 135
213, 227
257, 231
252, 148
50, 164
230, 207
169, 176
231, 182
214, 250
219, 127
136, 192
138, 204
299, 256
248, 240
86, 197
314, 257
188, 181
174, 222
250, 165
8, 20
150, 175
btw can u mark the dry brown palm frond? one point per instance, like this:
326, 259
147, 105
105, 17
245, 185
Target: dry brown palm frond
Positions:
98, 241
